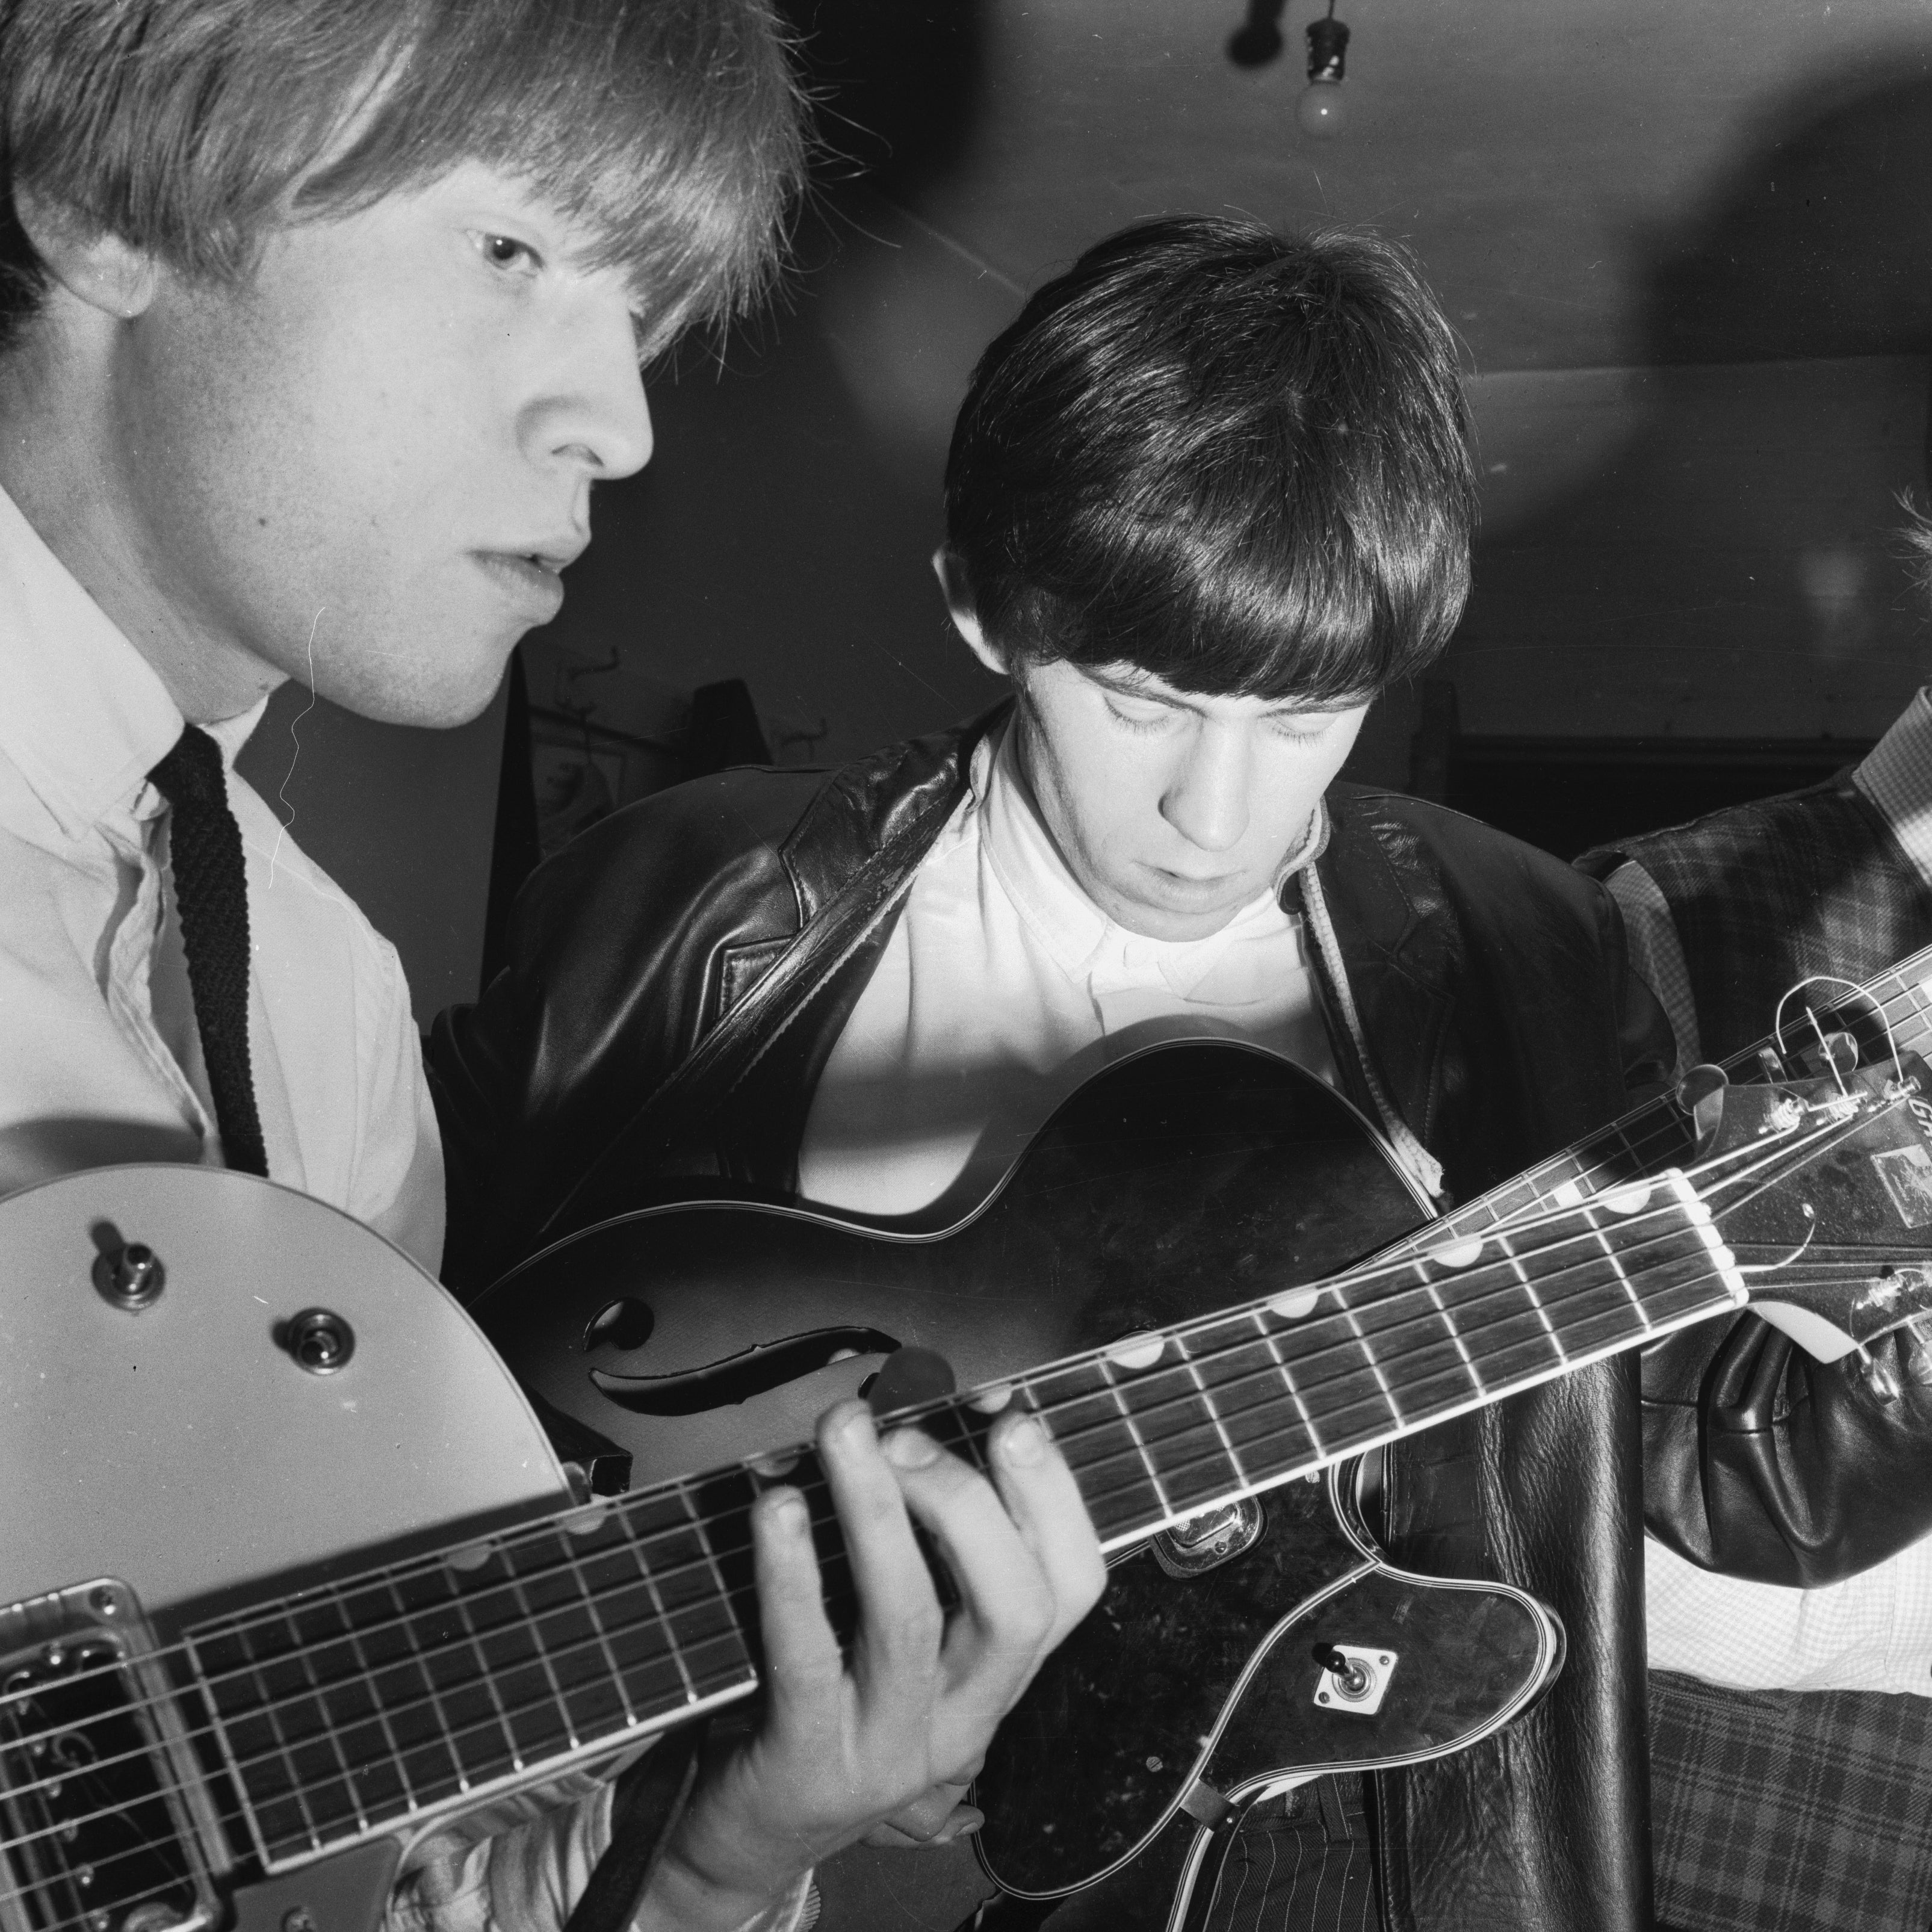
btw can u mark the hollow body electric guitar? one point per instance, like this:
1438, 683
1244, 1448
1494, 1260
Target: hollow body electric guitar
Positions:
289, 1576
1250, 1644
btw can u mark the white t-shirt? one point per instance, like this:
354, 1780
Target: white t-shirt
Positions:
1002, 987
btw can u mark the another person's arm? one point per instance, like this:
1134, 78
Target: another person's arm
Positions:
1760, 1462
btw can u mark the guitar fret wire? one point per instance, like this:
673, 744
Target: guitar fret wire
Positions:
489, 1679
591, 1605
549, 1669
307, 1655
432, 1695
1369, 1355
1271, 1338
1107, 1375
1630, 1294
1227, 1442
1449, 1322
225, 1745
1535, 1300
395, 1750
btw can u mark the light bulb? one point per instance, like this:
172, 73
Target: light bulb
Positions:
1321, 109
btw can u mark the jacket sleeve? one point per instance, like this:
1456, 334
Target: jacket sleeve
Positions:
614, 960
1759, 1461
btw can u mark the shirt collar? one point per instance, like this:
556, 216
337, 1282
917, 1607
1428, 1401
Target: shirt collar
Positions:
86, 717
1075, 934
1897, 776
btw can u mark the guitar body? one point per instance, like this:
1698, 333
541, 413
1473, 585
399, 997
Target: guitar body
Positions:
1211, 1681
181, 1451
1180, 1180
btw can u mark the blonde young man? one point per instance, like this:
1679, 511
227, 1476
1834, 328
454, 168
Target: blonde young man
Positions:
319, 321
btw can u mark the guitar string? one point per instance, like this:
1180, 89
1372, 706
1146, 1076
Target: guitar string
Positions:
337, 1683
310, 1699
1813, 1270
310, 1696
481, 1725
1430, 1318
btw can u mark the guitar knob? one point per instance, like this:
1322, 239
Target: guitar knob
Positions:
130, 1275
321, 1341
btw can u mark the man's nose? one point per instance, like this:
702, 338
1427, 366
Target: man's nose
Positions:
1206, 798
599, 419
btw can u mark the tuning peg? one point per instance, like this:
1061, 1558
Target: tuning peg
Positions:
1700, 1092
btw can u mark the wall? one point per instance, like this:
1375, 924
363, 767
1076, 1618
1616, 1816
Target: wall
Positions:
1702, 551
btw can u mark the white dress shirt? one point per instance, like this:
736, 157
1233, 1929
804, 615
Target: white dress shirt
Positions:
1002, 987
100, 1061
1873, 1631
101, 1064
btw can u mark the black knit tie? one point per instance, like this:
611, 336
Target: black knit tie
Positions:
211, 896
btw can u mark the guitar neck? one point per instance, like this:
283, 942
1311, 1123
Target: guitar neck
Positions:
359, 1705
1890, 1014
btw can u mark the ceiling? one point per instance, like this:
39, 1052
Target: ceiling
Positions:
1587, 182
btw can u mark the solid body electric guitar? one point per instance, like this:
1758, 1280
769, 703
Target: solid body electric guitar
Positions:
289, 1575
1247, 1644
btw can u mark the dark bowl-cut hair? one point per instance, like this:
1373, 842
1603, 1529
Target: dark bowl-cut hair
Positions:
1235, 460
669, 130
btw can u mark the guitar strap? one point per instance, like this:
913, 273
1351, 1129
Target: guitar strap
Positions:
696, 1089
645, 1805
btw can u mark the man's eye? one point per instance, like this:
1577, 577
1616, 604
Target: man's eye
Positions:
502, 251
1149, 718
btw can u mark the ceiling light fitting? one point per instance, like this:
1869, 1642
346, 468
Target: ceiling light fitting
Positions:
1321, 111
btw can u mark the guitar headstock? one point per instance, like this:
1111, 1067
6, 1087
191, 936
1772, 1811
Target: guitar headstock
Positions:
1822, 1186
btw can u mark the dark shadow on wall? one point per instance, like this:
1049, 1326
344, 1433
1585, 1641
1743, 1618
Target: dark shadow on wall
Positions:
1729, 566
1818, 242
776, 536
896, 85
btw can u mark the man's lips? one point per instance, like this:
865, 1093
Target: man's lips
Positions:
1187, 886
533, 578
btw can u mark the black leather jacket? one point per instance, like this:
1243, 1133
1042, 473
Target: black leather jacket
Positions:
1490, 980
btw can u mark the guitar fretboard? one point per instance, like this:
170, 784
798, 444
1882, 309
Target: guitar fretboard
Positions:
356, 1705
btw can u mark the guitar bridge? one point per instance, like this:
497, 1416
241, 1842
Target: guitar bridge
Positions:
1215, 1537
94, 1834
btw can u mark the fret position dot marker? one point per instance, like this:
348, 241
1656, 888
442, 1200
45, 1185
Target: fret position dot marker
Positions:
1630, 1200
1137, 1351
1457, 1254
1295, 1304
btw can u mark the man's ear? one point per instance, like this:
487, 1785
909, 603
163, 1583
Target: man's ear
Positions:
965, 619
94, 265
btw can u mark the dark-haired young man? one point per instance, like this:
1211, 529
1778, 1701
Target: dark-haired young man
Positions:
318, 322
1207, 495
